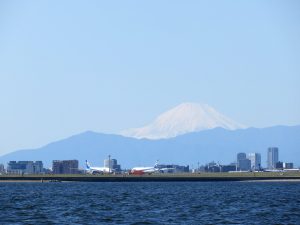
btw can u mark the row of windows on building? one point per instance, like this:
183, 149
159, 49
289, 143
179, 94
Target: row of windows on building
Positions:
25, 167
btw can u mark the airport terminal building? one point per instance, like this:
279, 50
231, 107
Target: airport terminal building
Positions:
25, 167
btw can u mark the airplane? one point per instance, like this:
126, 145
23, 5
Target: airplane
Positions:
274, 170
96, 170
148, 170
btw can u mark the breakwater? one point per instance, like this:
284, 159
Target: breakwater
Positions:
154, 177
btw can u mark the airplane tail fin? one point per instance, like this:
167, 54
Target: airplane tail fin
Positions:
156, 164
87, 165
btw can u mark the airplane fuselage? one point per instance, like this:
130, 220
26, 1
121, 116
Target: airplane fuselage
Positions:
143, 170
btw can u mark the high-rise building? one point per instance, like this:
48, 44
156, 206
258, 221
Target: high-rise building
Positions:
255, 159
272, 157
65, 166
243, 164
24, 167
2, 169
241, 156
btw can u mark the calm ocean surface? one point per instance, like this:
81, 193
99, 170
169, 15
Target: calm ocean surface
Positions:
150, 203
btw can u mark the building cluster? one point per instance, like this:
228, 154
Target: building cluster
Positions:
273, 160
58, 167
72, 167
37, 167
244, 162
112, 164
249, 162
252, 161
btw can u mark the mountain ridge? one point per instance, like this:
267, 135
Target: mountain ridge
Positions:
204, 146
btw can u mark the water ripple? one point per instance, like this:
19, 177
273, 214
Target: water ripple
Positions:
150, 203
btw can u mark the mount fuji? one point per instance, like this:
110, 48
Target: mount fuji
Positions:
184, 118
188, 133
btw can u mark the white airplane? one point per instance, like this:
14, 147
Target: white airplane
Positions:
149, 170
274, 170
96, 170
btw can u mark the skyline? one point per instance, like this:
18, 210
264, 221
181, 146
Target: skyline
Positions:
253, 160
68, 67
216, 144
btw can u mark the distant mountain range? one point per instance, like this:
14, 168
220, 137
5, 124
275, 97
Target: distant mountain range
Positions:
184, 118
217, 144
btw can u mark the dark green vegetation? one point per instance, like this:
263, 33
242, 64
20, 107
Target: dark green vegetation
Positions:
157, 177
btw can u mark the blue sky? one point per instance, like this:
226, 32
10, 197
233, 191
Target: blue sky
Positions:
71, 66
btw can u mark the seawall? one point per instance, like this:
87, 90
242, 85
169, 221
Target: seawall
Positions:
188, 177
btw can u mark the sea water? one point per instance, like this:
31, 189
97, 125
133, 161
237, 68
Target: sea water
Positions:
150, 203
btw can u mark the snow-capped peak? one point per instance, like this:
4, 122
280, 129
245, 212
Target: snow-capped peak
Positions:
184, 118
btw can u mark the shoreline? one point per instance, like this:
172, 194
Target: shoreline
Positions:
242, 181
274, 180
188, 177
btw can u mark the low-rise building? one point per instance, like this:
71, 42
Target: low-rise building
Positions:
279, 165
173, 168
244, 165
212, 167
65, 166
227, 168
25, 167
288, 165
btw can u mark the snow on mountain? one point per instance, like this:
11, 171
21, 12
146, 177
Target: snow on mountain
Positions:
184, 118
